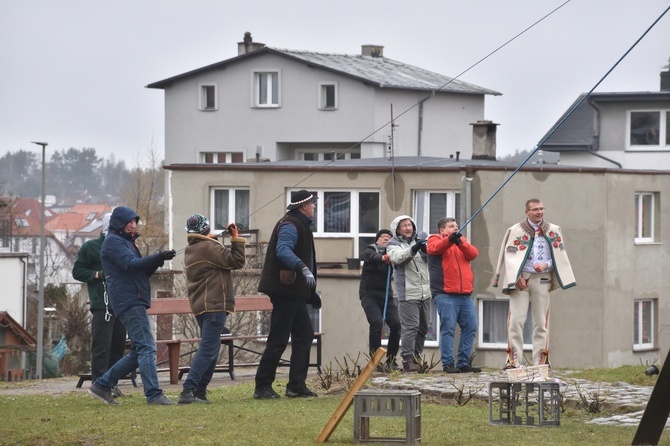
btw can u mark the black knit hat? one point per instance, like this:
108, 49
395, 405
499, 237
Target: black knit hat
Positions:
299, 198
383, 231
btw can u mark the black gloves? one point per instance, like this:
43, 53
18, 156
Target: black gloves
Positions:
167, 255
315, 300
455, 238
420, 245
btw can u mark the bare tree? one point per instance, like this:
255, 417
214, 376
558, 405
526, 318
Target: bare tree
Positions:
144, 194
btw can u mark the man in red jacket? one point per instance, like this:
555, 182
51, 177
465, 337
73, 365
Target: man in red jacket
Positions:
451, 283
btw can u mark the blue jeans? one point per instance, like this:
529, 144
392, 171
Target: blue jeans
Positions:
204, 363
456, 309
142, 354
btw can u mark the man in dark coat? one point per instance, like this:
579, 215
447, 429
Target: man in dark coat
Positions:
108, 337
377, 298
127, 276
289, 278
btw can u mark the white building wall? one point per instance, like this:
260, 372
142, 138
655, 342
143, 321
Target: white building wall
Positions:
13, 272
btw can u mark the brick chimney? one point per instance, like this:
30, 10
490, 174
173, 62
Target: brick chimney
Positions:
484, 140
665, 78
248, 45
372, 50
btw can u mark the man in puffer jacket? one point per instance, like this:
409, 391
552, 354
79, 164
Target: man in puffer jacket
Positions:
407, 253
207, 266
127, 276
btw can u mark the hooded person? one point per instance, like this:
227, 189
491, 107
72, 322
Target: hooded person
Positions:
407, 253
127, 277
377, 298
108, 337
208, 266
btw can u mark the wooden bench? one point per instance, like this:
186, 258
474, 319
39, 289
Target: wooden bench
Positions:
180, 305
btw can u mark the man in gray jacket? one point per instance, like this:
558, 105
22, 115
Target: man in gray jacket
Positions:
407, 253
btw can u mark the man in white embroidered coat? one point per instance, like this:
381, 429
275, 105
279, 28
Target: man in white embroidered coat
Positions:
531, 264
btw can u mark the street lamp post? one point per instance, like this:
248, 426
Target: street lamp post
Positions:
40, 302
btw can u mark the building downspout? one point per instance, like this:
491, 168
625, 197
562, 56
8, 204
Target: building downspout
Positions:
468, 204
420, 129
591, 149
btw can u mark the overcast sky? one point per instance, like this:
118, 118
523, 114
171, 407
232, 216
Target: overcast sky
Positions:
73, 73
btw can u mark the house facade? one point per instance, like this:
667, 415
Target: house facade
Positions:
279, 104
614, 315
314, 120
628, 130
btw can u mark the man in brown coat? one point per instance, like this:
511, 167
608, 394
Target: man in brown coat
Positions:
208, 265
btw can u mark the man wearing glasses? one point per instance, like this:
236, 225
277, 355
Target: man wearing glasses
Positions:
532, 263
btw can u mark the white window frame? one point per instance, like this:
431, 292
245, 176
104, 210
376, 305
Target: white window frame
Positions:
219, 157
202, 96
322, 93
255, 93
640, 197
422, 208
232, 191
663, 143
528, 340
638, 345
321, 154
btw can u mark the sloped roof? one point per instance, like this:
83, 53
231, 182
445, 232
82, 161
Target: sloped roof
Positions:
6, 321
578, 132
381, 72
78, 217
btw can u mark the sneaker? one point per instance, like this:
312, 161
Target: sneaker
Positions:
103, 395
469, 369
116, 392
300, 393
265, 393
161, 401
186, 397
201, 396
451, 369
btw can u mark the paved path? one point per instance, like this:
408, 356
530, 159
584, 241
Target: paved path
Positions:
629, 398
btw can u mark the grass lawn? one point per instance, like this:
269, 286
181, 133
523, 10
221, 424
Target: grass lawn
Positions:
235, 418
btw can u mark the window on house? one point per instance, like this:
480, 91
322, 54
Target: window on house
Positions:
5, 231
328, 96
208, 97
644, 324
266, 89
327, 155
649, 129
347, 214
492, 332
647, 216
230, 205
431, 206
221, 157
91, 216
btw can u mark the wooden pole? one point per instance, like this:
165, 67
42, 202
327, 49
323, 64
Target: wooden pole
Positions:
349, 397
658, 408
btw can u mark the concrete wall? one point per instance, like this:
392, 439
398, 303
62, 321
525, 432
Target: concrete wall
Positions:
591, 324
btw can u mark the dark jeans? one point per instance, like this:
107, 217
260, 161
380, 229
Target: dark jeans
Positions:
204, 363
108, 343
289, 318
374, 311
142, 354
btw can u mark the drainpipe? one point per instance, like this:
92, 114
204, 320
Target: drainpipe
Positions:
597, 136
468, 204
420, 130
